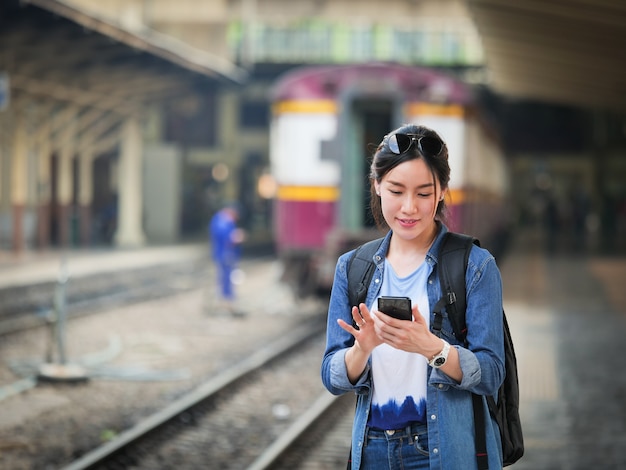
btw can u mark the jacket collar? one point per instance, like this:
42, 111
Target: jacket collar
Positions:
431, 256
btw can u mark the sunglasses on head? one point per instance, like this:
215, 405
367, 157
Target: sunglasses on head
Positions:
400, 143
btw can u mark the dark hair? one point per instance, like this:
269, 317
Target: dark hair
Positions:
384, 160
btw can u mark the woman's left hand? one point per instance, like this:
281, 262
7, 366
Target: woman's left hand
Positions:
411, 336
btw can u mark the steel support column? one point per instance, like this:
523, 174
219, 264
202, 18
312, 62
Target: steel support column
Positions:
130, 228
19, 181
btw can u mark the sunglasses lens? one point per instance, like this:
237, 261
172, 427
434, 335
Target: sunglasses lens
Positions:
399, 143
431, 145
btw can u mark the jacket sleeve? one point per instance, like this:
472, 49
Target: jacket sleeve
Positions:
338, 341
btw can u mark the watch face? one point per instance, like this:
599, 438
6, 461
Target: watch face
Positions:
439, 361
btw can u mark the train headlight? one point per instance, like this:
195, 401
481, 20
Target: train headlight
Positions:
266, 186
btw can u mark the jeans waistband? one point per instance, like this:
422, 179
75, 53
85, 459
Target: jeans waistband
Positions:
409, 431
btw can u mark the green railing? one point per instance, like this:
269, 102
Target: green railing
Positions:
427, 42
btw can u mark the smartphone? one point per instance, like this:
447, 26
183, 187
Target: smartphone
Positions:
396, 307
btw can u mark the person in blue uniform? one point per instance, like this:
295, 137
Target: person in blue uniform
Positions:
414, 388
226, 239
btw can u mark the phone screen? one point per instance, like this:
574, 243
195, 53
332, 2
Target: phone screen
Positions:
396, 307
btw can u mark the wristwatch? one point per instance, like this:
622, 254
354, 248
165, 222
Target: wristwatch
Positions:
440, 359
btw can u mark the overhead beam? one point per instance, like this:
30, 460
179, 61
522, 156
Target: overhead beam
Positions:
561, 62
570, 51
586, 11
154, 43
71, 95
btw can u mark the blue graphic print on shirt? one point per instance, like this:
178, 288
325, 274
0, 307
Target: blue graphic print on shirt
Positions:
381, 417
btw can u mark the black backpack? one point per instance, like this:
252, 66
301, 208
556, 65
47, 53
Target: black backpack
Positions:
453, 256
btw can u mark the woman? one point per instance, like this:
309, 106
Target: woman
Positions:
414, 405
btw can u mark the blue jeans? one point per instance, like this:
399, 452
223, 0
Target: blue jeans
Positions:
402, 449
225, 283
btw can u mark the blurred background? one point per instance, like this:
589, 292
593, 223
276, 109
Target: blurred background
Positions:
126, 124
130, 122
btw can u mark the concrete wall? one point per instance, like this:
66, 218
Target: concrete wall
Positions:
161, 193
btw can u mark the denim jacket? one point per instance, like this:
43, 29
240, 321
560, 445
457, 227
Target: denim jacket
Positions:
449, 404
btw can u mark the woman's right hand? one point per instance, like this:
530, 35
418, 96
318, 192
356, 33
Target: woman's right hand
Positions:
365, 337
365, 340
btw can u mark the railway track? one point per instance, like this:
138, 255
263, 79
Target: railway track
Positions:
165, 350
36, 305
249, 414
320, 439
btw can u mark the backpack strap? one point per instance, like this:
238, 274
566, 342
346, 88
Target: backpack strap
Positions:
452, 264
480, 433
360, 271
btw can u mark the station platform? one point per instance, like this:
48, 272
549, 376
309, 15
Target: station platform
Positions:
567, 315
45, 266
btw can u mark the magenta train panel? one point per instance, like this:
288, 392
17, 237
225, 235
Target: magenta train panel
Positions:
303, 224
328, 82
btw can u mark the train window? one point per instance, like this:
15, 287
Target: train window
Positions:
254, 114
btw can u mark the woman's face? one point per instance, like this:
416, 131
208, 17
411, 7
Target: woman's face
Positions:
408, 197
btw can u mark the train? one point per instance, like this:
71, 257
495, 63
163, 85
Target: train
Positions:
326, 122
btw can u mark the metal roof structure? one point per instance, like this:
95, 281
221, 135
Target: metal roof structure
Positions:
57, 52
149, 41
62, 69
564, 51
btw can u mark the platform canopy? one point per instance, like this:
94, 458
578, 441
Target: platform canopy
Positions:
567, 51
50, 51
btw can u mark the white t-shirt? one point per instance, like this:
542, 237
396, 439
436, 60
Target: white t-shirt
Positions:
399, 377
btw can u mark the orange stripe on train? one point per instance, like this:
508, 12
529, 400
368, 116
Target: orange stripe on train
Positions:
308, 193
308, 106
431, 109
